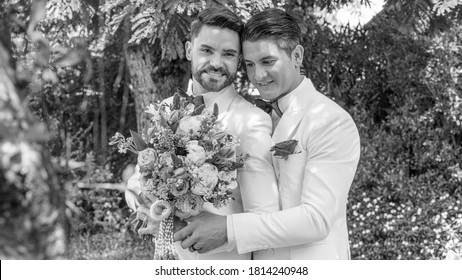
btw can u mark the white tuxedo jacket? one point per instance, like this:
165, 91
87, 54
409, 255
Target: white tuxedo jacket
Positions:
313, 182
257, 187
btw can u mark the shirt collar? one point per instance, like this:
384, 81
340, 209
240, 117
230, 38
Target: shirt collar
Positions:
220, 97
285, 101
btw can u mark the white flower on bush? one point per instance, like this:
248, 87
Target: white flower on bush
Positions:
190, 124
205, 178
196, 153
147, 159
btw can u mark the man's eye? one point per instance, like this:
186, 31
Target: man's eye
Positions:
230, 54
268, 62
248, 64
206, 50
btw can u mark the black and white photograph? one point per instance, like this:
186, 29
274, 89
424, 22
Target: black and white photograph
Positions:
278, 132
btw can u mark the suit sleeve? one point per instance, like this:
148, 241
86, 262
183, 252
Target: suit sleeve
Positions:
256, 179
332, 156
133, 184
257, 182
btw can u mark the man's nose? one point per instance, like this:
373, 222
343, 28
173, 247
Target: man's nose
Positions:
216, 61
260, 73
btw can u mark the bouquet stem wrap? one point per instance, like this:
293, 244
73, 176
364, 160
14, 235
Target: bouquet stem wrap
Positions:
164, 245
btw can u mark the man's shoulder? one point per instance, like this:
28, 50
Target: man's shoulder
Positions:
320, 99
250, 112
246, 105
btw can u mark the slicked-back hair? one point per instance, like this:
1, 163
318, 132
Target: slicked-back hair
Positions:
222, 18
276, 25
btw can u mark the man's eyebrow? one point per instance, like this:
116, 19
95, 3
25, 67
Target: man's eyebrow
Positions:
230, 50
206, 46
263, 58
225, 50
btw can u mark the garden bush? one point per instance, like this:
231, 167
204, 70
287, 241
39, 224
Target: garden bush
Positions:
405, 202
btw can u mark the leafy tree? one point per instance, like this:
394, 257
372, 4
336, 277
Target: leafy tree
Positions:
33, 220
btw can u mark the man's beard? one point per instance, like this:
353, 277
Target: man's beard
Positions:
211, 84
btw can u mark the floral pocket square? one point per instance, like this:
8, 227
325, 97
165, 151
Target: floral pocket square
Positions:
284, 149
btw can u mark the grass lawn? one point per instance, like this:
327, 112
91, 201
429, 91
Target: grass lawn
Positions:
110, 246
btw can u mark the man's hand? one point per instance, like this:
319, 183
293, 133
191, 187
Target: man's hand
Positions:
151, 226
203, 233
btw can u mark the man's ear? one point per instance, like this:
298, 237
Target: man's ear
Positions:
297, 55
188, 49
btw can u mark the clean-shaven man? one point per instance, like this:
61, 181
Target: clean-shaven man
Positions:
314, 180
215, 53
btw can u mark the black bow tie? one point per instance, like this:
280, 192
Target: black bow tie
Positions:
271, 105
268, 106
196, 100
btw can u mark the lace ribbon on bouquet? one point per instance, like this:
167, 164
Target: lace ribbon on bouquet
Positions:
164, 246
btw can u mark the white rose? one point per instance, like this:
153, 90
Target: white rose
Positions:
188, 205
196, 153
205, 178
147, 159
190, 124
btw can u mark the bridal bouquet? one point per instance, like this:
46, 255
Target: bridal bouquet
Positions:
185, 158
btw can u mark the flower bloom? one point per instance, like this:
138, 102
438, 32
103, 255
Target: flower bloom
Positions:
160, 210
232, 185
205, 178
147, 185
153, 111
147, 159
227, 176
196, 153
190, 124
180, 188
188, 205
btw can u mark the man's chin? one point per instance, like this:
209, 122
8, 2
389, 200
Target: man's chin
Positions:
214, 86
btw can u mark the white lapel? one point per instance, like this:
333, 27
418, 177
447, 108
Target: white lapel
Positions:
299, 100
224, 100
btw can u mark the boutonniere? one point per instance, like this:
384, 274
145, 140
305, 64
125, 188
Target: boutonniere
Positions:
284, 149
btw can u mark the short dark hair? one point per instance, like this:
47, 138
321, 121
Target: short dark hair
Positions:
273, 24
222, 18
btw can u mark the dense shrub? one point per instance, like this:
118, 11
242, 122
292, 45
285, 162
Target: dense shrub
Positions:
95, 210
406, 199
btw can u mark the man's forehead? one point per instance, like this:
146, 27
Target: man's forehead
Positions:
207, 30
217, 37
260, 48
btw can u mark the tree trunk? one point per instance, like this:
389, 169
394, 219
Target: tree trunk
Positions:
33, 223
102, 89
145, 91
151, 82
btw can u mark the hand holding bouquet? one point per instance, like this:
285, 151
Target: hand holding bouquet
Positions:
186, 158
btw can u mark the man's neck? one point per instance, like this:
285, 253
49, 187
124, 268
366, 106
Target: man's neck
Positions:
197, 89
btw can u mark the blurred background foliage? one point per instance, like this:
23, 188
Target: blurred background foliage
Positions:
86, 69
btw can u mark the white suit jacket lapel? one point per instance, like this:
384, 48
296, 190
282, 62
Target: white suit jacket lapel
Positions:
223, 100
299, 100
